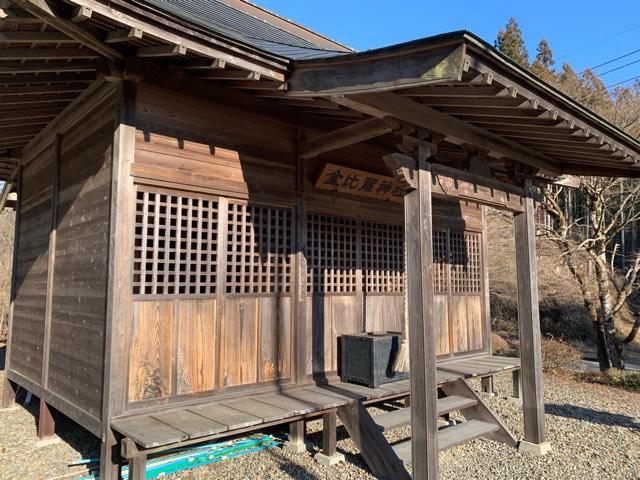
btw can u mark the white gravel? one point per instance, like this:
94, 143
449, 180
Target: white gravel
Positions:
594, 432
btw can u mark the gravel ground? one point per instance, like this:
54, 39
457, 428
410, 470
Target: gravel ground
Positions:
594, 431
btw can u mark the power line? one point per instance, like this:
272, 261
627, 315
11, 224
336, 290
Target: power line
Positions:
599, 42
610, 61
607, 87
618, 68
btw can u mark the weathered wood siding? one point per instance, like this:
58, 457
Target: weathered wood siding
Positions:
76, 354
30, 269
226, 320
59, 313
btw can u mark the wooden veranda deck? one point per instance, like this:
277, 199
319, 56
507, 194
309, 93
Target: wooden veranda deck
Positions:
153, 433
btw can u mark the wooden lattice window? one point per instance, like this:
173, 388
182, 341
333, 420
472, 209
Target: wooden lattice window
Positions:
440, 261
175, 246
465, 262
331, 254
259, 245
382, 257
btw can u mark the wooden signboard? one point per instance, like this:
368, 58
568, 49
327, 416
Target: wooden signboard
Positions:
357, 182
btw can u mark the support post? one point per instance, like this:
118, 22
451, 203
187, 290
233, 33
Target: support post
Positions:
329, 455
9, 392
416, 177
296, 438
138, 467
529, 322
110, 459
46, 422
516, 396
487, 385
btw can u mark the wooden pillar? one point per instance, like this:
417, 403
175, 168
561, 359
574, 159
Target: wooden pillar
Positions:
299, 300
296, 440
46, 422
138, 467
9, 392
120, 274
529, 322
329, 454
416, 177
487, 385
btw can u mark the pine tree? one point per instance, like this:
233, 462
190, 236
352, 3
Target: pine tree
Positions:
511, 43
543, 64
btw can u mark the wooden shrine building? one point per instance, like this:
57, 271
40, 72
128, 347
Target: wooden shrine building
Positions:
210, 196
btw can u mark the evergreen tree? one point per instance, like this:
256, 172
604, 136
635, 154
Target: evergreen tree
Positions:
511, 43
543, 64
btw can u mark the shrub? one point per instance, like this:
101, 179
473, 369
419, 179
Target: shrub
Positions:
613, 378
559, 355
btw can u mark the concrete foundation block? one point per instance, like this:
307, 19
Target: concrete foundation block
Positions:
294, 447
45, 442
539, 449
329, 460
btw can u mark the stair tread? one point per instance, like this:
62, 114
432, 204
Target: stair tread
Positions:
449, 437
402, 417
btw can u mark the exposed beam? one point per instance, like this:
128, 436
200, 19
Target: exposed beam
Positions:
343, 137
30, 113
474, 101
238, 58
258, 85
479, 111
33, 80
162, 51
35, 37
203, 64
477, 65
452, 183
81, 14
29, 90
383, 105
471, 91
40, 9
37, 67
38, 98
48, 53
124, 35
229, 75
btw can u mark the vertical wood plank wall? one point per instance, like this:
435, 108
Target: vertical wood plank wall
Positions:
228, 337
59, 314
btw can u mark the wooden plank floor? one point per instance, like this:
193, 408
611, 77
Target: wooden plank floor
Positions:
223, 417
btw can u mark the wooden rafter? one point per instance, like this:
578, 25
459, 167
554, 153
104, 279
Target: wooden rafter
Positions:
231, 55
383, 105
358, 132
42, 10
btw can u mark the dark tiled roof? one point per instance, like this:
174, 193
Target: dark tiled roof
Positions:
216, 16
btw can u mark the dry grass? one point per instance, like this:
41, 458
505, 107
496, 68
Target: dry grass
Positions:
613, 378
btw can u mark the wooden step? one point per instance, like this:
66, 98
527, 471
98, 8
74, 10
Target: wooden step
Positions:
402, 417
449, 437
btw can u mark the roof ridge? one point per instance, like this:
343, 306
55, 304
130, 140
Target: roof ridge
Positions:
229, 3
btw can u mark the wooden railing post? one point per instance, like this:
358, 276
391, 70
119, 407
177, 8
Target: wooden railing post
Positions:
529, 321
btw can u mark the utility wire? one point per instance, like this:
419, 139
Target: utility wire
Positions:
618, 68
610, 61
607, 87
599, 42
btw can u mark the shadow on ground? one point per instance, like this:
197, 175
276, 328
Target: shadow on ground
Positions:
592, 416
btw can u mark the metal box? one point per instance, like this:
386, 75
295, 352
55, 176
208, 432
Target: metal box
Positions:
368, 358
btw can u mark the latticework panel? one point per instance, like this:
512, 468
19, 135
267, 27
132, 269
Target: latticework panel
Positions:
440, 261
331, 254
382, 257
465, 262
259, 245
175, 248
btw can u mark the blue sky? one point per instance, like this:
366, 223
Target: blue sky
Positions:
571, 27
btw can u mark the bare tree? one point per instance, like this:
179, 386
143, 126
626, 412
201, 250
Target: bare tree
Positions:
588, 237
